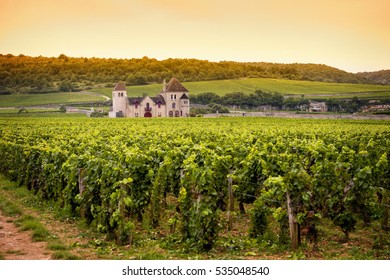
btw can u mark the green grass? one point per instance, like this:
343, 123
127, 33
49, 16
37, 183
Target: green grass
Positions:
50, 115
249, 85
133, 91
39, 232
20, 100
61, 252
64, 255
8, 208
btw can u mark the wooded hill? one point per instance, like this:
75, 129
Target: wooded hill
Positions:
381, 77
25, 74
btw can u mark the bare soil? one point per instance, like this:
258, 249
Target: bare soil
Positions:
18, 245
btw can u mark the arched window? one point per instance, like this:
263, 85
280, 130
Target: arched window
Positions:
173, 105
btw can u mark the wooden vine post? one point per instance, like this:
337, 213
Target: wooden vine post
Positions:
81, 179
231, 201
81, 175
386, 210
293, 224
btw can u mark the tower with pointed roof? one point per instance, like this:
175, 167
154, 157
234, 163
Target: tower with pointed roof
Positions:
176, 99
119, 101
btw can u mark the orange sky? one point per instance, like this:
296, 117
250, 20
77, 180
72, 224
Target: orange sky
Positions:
353, 35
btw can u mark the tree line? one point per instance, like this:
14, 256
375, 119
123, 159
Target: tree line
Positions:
252, 100
26, 74
261, 99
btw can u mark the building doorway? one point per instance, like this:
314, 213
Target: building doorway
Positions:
148, 115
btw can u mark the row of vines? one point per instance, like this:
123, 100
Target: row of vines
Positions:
116, 173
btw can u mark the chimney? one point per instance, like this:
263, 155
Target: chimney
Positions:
164, 86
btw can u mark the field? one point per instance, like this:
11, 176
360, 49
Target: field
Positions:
20, 100
312, 89
205, 188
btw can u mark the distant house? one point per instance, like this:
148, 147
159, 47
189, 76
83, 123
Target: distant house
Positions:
172, 101
376, 108
317, 106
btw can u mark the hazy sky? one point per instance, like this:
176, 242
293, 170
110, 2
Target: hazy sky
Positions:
353, 35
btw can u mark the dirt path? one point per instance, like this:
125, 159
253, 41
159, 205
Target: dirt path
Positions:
18, 245
96, 94
280, 114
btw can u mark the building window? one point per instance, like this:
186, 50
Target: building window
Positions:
171, 113
159, 114
159, 105
173, 105
136, 105
136, 115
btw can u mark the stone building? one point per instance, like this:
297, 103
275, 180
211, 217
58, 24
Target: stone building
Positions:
316, 106
172, 101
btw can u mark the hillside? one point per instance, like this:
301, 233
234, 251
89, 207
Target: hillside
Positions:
19, 100
25, 74
312, 90
380, 77
283, 86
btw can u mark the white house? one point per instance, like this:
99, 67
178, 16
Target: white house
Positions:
316, 106
172, 101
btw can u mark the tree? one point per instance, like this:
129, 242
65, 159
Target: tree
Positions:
206, 98
216, 108
354, 105
63, 57
333, 105
303, 103
290, 103
66, 86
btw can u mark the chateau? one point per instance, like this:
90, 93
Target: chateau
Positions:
172, 101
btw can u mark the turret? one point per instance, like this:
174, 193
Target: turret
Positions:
119, 100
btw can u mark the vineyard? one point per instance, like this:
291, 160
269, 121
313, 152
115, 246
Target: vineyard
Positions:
192, 179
